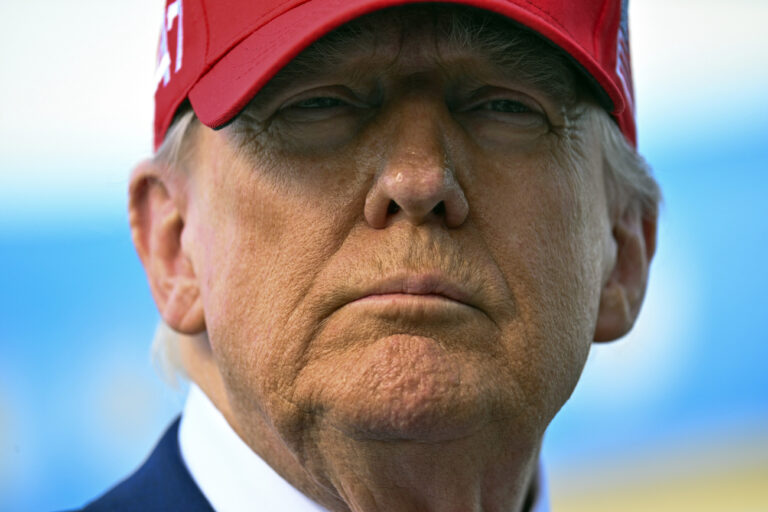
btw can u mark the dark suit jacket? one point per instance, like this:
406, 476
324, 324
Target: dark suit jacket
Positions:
162, 483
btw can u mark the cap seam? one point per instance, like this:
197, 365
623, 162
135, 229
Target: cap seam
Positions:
207, 34
260, 22
599, 25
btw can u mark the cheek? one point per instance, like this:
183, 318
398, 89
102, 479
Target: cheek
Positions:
540, 231
262, 240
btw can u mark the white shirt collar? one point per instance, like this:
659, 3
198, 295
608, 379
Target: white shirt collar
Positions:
229, 474
233, 478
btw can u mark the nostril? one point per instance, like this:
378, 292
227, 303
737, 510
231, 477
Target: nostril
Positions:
439, 209
393, 208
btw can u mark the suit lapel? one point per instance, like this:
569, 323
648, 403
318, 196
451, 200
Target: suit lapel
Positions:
162, 483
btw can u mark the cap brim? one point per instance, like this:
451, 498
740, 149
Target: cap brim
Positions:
233, 80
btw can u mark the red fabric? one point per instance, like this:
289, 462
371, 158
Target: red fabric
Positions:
231, 48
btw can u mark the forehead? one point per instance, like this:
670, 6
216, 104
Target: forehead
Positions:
456, 39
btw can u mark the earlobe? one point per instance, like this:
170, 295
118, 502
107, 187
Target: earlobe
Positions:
623, 291
156, 227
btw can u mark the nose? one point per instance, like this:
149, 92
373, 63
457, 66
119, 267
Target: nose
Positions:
417, 180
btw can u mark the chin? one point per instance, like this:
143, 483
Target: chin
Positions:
409, 388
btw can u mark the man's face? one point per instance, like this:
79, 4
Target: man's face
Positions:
406, 242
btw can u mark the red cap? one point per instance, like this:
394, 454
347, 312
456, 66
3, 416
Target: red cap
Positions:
219, 53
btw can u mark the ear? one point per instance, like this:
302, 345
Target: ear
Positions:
155, 213
622, 295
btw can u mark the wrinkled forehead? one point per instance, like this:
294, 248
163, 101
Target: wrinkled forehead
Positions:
456, 38
413, 32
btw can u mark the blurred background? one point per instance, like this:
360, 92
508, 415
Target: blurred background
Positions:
673, 417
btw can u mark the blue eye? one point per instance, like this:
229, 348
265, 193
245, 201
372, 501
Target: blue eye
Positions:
320, 102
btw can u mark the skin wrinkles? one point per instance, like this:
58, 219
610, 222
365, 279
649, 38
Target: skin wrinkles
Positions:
303, 421
294, 310
344, 399
460, 84
366, 55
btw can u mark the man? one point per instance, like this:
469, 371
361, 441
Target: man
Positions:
386, 236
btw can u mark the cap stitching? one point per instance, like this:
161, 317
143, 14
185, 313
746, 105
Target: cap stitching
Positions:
598, 25
260, 22
207, 32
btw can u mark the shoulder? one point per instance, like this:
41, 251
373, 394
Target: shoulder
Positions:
161, 483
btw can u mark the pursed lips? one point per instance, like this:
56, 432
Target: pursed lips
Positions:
414, 286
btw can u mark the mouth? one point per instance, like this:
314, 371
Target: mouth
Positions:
426, 290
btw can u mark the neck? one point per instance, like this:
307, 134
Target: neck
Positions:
471, 474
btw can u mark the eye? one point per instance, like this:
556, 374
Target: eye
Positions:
506, 106
320, 119
337, 103
319, 103
500, 104
498, 115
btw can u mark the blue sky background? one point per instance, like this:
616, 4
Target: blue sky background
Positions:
80, 405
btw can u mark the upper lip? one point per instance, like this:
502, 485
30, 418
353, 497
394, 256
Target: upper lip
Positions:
429, 283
